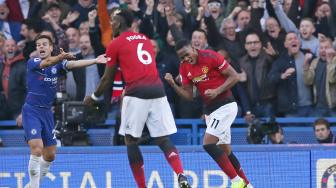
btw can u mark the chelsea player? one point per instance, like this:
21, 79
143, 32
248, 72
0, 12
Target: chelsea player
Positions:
37, 117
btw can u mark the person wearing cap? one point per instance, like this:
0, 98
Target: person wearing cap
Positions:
216, 12
39, 8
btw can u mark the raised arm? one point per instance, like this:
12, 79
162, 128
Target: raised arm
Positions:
285, 22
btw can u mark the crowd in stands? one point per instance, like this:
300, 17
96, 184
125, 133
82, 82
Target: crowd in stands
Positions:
283, 50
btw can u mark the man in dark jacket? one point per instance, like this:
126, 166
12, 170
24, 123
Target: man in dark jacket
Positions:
294, 97
257, 64
13, 81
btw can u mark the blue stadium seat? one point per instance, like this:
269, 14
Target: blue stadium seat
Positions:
101, 137
182, 137
13, 138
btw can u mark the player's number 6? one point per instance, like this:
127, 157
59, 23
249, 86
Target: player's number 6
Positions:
143, 55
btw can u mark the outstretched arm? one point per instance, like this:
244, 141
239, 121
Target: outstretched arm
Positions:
87, 62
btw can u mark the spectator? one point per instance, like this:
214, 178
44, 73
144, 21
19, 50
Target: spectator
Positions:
199, 40
83, 7
73, 36
75, 80
52, 18
13, 79
91, 72
11, 29
321, 74
293, 96
256, 65
39, 8
276, 137
33, 30
307, 28
18, 9
84, 28
215, 10
243, 19
275, 35
322, 131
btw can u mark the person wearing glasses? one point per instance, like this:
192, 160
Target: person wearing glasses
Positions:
256, 64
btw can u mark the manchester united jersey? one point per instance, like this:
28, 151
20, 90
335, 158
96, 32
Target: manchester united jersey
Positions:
135, 55
206, 74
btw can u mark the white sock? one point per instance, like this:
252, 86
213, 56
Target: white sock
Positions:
44, 168
235, 179
34, 171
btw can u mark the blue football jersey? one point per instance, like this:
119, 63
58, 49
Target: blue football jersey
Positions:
42, 83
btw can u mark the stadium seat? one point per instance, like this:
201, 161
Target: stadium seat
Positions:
101, 137
182, 137
13, 138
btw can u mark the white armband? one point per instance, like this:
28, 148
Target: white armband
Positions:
93, 96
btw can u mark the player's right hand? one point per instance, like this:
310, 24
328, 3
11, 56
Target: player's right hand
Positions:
89, 101
287, 73
169, 78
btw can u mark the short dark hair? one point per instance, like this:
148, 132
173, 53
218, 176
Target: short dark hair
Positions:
44, 37
53, 5
201, 31
322, 121
33, 25
252, 33
181, 43
127, 15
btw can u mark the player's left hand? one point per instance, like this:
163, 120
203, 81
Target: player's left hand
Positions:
89, 101
211, 93
66, 55
19, 120
102, 59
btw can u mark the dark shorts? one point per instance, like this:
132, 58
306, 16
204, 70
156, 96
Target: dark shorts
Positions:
38, 123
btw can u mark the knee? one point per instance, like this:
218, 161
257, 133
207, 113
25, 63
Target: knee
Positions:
36, 149
129, 140
213, 150
206, 147
162, 140
50, 156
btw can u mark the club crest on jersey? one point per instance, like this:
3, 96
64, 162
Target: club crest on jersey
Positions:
33, 131
37, 59
53, 70
205, 69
